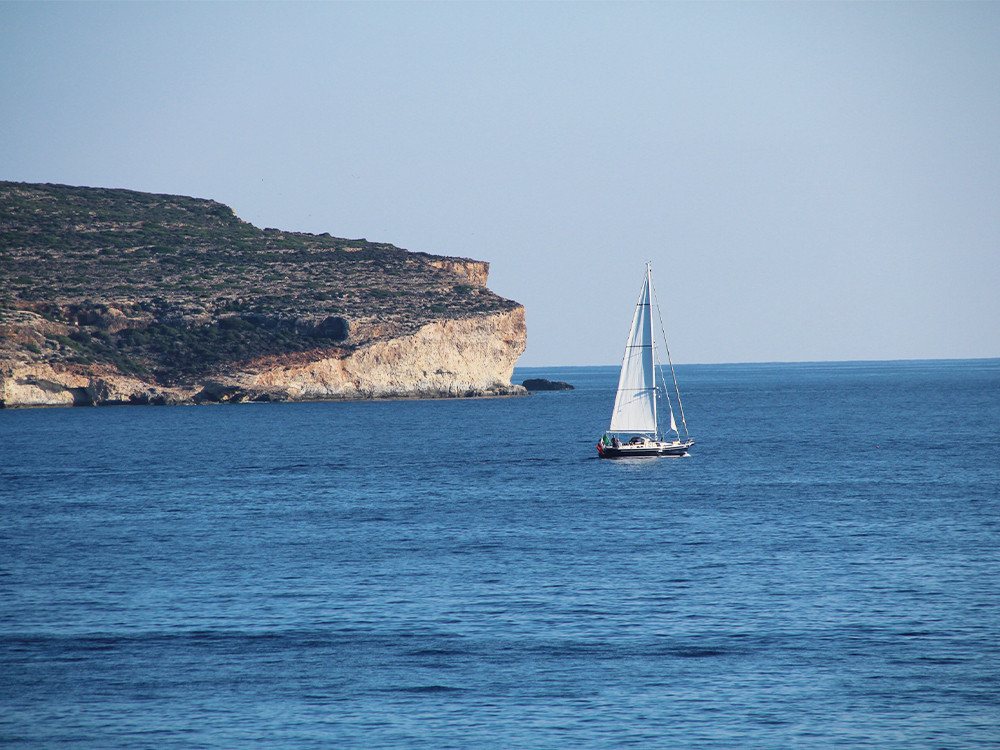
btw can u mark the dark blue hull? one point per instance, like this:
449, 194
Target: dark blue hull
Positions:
650, 449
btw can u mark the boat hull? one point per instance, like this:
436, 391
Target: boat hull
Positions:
649, 449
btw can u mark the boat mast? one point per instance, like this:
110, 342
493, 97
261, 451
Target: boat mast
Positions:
652, 346
670, 362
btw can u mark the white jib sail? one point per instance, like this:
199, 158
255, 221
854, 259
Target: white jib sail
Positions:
635, 404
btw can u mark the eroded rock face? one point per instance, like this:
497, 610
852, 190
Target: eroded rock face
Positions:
468, 357
448, 358
40, 384
475, 271
26, 384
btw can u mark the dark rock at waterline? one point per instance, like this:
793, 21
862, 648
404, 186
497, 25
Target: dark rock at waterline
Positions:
541, 384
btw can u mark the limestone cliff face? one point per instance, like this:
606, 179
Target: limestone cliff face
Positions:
470, 357
42, 384
29, 384
476, 271
447, 358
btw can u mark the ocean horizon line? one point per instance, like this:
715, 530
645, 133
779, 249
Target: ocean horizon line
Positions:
782, 362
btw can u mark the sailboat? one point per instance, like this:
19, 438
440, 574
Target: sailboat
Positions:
635, 429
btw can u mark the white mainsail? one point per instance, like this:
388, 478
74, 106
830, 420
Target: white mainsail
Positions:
635, 403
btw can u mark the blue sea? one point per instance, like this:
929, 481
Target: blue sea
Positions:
822, 571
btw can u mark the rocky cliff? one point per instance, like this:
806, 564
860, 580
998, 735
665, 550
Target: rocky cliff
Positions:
113, 296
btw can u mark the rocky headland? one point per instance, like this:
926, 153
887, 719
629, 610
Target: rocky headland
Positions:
120, 297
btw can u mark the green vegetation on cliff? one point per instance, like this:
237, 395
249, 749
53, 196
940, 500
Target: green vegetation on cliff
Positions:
168, 287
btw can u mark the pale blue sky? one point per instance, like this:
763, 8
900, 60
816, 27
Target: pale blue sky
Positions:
811, 181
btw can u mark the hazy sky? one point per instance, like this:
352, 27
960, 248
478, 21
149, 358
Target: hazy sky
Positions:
811, 181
